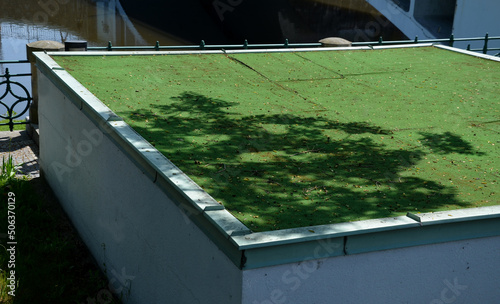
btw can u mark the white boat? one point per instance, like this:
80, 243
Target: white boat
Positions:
431, 19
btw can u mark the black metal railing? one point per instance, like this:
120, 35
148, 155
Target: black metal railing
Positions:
12, 118
450, 41
246, 45
22, 101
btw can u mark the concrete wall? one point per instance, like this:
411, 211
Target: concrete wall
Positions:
454, 272
150, 249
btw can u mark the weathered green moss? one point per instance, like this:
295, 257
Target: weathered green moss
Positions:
298, 139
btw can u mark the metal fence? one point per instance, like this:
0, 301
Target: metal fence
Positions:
450, 41
246, 45
19, 95
24, 102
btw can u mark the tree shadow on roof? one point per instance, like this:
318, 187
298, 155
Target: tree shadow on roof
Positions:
447, 143
282, 170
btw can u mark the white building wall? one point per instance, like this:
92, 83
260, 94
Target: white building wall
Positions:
453, 272
151, 251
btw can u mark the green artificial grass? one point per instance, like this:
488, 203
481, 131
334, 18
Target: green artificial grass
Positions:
286, 140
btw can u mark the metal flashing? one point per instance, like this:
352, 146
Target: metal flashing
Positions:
226, 223
314, 233
301, 244
238, 51
471, 53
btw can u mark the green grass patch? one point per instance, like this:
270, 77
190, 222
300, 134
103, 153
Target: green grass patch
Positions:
16, 127
296, 139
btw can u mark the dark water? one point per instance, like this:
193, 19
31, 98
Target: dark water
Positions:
188, 21
264, 21
97, 22
134, 22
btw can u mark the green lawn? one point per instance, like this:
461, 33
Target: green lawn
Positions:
16, 127
296, 139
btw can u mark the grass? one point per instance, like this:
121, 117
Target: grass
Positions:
16, 127
52, 264
8, 170
297, 139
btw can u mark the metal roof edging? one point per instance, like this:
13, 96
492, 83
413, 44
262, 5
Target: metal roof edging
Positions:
270, 248
466, 52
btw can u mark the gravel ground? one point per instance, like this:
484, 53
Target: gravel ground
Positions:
23, 150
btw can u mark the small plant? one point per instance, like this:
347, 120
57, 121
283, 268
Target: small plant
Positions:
9, 170
4, 296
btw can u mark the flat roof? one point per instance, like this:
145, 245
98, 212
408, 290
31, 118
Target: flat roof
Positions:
249, 249
286, 139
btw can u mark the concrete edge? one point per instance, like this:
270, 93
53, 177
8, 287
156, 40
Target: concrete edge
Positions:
272, 247
288, 236
300, 244
134, 53
240, 51
402, 46
471, 53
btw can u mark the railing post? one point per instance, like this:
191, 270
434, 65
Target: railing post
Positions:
416, 39
452, 39
485, 47
9, 111
202, 44
37, 46
75, 46
245, 44
157, 46
380, 40
110, 46
286, 43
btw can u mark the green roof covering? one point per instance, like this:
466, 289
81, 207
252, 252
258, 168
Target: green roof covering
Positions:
294, 139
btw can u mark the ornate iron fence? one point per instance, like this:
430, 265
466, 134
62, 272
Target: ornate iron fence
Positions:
22, 101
